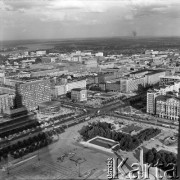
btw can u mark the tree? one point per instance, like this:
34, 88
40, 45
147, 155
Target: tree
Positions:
149, 157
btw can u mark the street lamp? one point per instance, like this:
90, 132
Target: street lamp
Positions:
38, 155
7, 166
79, 173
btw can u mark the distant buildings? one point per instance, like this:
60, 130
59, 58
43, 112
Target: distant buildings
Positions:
48, 72
103, 77
48, 59
40, 53
61, 89
150, 76
90, 63
100, 54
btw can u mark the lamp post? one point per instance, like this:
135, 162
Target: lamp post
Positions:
8, 166
38, 156
8, 143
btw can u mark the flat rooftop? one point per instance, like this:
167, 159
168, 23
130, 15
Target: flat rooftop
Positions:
49, 103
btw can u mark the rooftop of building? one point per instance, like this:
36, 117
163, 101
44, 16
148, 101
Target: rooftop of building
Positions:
14, 111
140, 71
165, 97
155, 72
113, 82
149, 71
78, 89
3, 94
7, 86
49, 103
170, 77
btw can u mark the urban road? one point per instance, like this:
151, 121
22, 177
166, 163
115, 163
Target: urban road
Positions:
105, 110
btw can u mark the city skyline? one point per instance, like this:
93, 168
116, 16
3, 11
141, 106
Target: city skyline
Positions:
57, 19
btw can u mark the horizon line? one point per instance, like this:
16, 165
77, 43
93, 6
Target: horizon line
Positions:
77, 38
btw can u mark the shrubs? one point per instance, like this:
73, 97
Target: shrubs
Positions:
163, 158
127, 142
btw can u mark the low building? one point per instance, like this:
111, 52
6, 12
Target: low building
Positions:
164, 80
150, 76
40, 53
79, 94
130, 84
153, 77
7, 89
113, 86
103, 77
12, 113
76, 84
48, 59
49, 107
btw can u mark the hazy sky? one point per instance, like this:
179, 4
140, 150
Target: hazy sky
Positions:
46, 19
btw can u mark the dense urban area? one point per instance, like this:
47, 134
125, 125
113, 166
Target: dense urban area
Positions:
65, 110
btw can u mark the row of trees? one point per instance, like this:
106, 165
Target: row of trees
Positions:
110, 100
31, 144
62, 116
23, 147
20, 129
126, 141
33, 126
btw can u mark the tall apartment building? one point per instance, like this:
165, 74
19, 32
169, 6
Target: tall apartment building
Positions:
151, 104
31, 94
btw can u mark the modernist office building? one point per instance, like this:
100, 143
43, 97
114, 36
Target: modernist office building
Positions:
31, 94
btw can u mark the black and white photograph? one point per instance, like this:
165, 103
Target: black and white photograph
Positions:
89, 89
